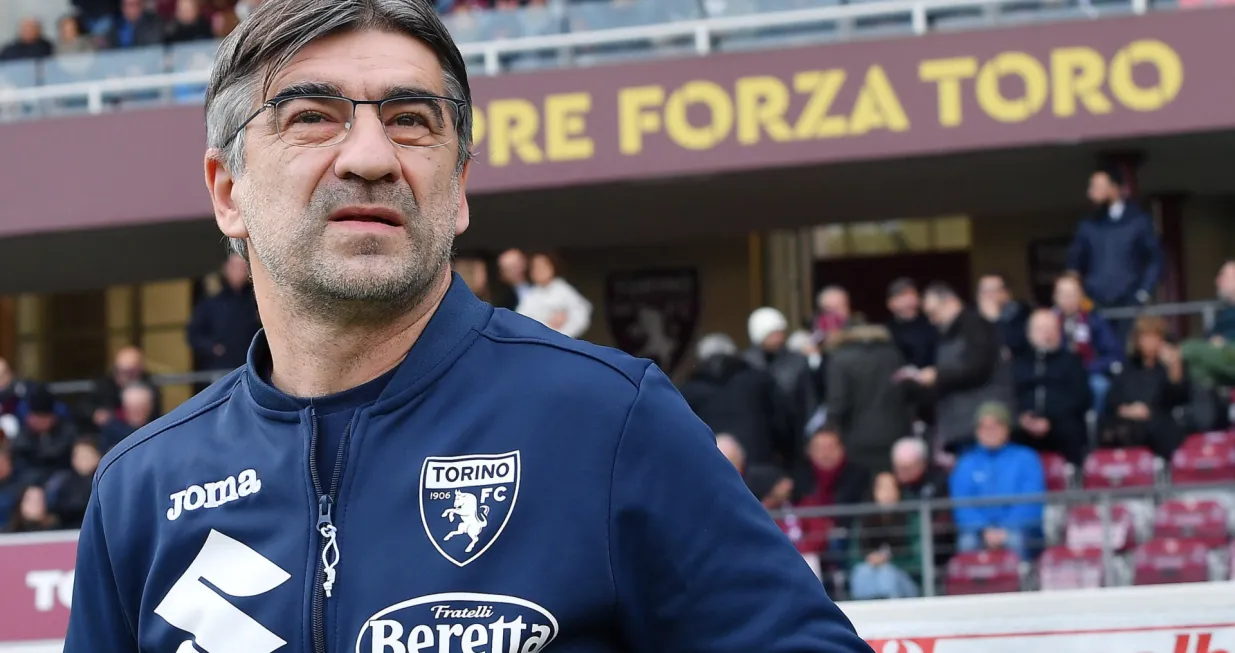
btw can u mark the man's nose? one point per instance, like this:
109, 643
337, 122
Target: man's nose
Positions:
367, 153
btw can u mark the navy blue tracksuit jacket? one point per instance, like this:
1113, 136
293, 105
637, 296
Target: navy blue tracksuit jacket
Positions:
508, 490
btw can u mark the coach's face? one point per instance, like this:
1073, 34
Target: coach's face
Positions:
363, 219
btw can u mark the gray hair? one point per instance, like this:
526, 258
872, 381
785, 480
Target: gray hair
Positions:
715, 344
911, 446
251, 56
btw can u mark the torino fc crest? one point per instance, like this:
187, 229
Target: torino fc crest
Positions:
465, 502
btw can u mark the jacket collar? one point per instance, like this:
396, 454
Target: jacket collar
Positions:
459, 315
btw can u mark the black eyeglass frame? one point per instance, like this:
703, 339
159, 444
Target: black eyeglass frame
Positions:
275, 102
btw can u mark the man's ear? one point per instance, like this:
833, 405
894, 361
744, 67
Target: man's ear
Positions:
222, 186
465, 215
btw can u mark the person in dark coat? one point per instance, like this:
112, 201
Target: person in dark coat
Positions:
1089, 336
733, 397
190, 24
911, 331
866, 405
30, 43
996, 304
769, 330
12, 480
222, 326
1143, 396
970, 367
834, 480
136, 27
128, 368
45, 444
68, 492
1116, 250
1052, 392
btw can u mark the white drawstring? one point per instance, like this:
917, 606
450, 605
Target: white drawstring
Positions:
328, 531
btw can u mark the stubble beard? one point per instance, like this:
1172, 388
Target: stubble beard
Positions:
362, 280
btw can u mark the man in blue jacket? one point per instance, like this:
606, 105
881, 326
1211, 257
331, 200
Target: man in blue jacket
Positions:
1116, 250
399, 467
998, 468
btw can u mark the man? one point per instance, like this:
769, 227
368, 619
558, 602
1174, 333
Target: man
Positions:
136, 27
1052, 392
1089, 336
996, 304
223, 326
731, 396
833, 312
1116, 250
970, 366
45, 444
399, 466
12, 481
865, 404
916, 476
911, 331
128, 367
733, 451
769, 331
512, 267
1212, 361
30, 43
998, 468
68, 492
834, 479
136, 411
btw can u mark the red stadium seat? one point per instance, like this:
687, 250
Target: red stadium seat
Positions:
1058, 471
1204, 458
1062, 568
1113, 468
1169, 560
1084, 529
1201, 520
983, 572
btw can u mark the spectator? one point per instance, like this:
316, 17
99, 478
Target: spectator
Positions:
223, 22
1052, 392
768, 332
137, 27
732, 450
97, 16
137, 402
1212, 361
223, 326
1089, 336
970, 367
836, 481
996, 304
30, 43
190, 24
13, 394
911, 331
12, 480
129, 368
477, 271
31, 514
917, 476
773, 487
886, 547
1116, 251
68, 492
512, 266
1144, 395
998, 468
731, 396
553, 302
45, 444
802, 342
865, 404
70, 39
833, 313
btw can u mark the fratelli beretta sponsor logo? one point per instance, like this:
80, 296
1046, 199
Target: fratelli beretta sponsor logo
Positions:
465, 502
456, 622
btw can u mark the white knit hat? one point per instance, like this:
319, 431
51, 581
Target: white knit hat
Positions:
763, 323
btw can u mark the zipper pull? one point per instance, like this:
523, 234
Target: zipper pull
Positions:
330, 546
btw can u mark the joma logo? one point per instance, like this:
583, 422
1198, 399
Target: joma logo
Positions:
213, 495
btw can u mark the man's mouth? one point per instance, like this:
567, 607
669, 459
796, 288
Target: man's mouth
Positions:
376, 215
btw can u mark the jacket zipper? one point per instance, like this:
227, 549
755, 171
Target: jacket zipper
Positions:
325, 527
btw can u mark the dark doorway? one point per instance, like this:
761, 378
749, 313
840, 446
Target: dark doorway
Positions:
867, 278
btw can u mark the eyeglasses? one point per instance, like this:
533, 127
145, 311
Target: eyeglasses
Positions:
414, 121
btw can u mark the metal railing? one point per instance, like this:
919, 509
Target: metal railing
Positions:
703, 31
1208, 310
87, 386
926, 509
